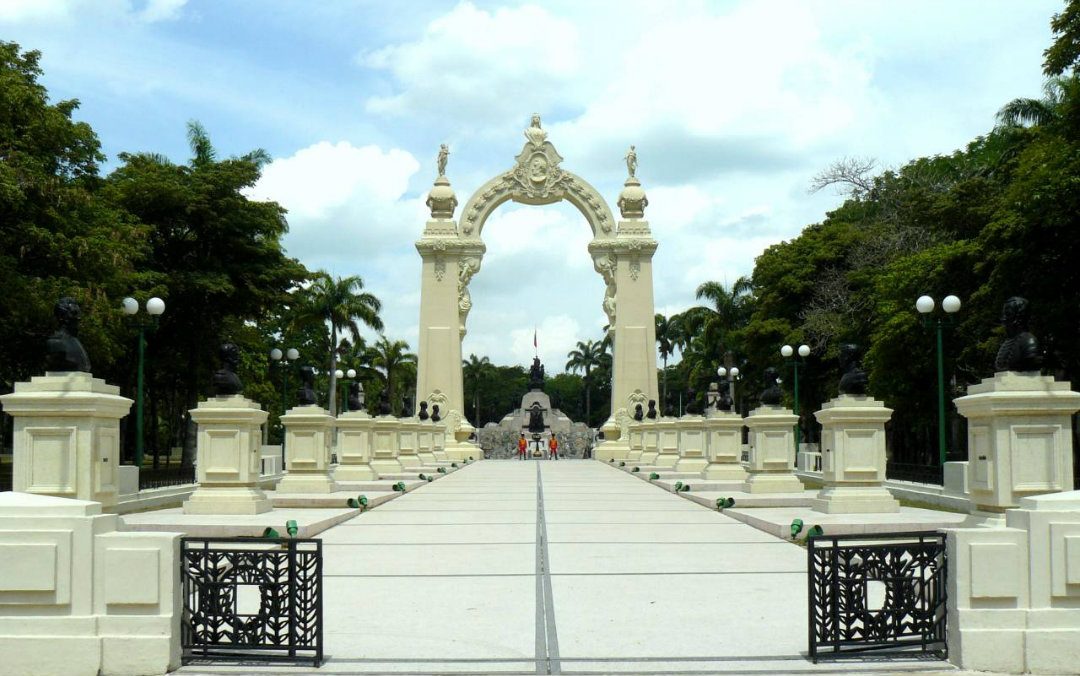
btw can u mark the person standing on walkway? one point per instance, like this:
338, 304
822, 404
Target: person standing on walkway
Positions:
553, 448
522, 444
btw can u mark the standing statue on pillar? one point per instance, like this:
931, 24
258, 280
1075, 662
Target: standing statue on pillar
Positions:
536, 375
631, 161
63, 350
444, 154
1020, 349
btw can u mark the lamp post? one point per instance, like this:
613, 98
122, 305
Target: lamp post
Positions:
291, 354
951, 305
788, 352
154, 307
341, 381
731, 373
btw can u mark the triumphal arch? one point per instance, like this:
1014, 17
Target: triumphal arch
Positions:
452, 251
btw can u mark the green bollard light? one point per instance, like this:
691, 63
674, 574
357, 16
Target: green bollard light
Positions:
814, 531
429, 479
654, 476
441, 470
678, 486
270, 533
352, 502
291, 528
453, 464
362, 500
636, 469
612, 460
729, 502
796, 528
470, 458
683, 489
422, 477
622, 463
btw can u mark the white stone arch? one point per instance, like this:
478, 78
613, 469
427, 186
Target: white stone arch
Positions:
621, 253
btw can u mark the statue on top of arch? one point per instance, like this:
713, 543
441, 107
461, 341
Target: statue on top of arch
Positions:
537, 174
535, 134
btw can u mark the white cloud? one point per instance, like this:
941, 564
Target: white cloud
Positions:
29, 10
161, 10
145, 11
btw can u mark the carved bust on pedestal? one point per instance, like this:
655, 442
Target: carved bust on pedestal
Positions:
639, 415
355, 402
771, 394
64, 352
651, 414
305, 396
225, 381
853, 379
1020, 349
423, 414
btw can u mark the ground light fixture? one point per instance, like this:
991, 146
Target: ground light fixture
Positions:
951, 305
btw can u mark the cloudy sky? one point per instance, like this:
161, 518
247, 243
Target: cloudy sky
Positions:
733, 107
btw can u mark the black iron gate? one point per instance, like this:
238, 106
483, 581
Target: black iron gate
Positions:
251, 599
877, 592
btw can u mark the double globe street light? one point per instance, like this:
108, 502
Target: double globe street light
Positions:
731, 374
340, 375
155, 307
951, 305
788, 352
291, 355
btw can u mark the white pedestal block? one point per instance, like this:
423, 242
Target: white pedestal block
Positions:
384, 446
67, 436
772, 451
853, 457
228, 444
636, 443
667, 434
457, 445
308, 436
354, 447
723, 431
615, 445
650, 442
438, 442
78, 597
691, 442
408, 428
1019, 439
425, 443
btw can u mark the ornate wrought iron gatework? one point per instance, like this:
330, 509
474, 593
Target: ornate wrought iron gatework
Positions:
251, 599
877, 592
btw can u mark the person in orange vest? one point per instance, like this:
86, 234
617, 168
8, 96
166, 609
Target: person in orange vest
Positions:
521, 447
553, 448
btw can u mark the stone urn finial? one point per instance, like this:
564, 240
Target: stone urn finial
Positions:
441, 199
63, 350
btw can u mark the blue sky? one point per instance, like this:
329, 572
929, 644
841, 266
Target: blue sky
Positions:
733, 107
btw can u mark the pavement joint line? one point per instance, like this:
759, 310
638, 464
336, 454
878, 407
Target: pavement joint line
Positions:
547, 638
616, 574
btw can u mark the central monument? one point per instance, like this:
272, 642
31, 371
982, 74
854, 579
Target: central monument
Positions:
451, 253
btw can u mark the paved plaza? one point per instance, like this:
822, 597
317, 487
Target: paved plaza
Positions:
568, 566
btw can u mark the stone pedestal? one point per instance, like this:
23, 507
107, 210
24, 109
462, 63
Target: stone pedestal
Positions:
458, 447
384, 446
853, 457
723, 432
650, 442
408, 429
667, 443
229, 438
354, 447
438, 442
308, 435
691, 444
67, 436
78, 597
425, 442
635, 441
613, 446
1019, 440
772, 451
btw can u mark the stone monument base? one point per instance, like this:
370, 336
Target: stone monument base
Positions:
763, 482
849, 499
724, 472
691, 464
316, 482
355, 473
227, 500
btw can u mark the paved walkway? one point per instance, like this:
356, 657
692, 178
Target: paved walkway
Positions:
566, 566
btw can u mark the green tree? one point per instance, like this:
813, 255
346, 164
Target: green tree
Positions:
340, 304
1064, 53
395, 363
586, 357
476, 372
665, 334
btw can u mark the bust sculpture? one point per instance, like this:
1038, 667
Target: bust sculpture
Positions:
305, 396
770, 393
355, 401
723, 401
407, 405
435, 417
639, 415
225, 381
1020, 349
536, 418
692, 407
384, 402
536, 375
651, 413
63, 350
423, 414
853, 379
534, 133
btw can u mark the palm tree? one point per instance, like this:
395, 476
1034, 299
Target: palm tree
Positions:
476, 370
395, 361
338, 303
1035, 112
664, 335
586, 357
729, 311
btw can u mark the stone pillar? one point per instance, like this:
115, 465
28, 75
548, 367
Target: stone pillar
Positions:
636, 448
67, 436
457, 444
78, 597
407, 448
354, 447
425, 443
229, 437
691, 444
1019, 440
384, 446
724, 447
667, 431
772, 451
308, 435
853, 457
650, 442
